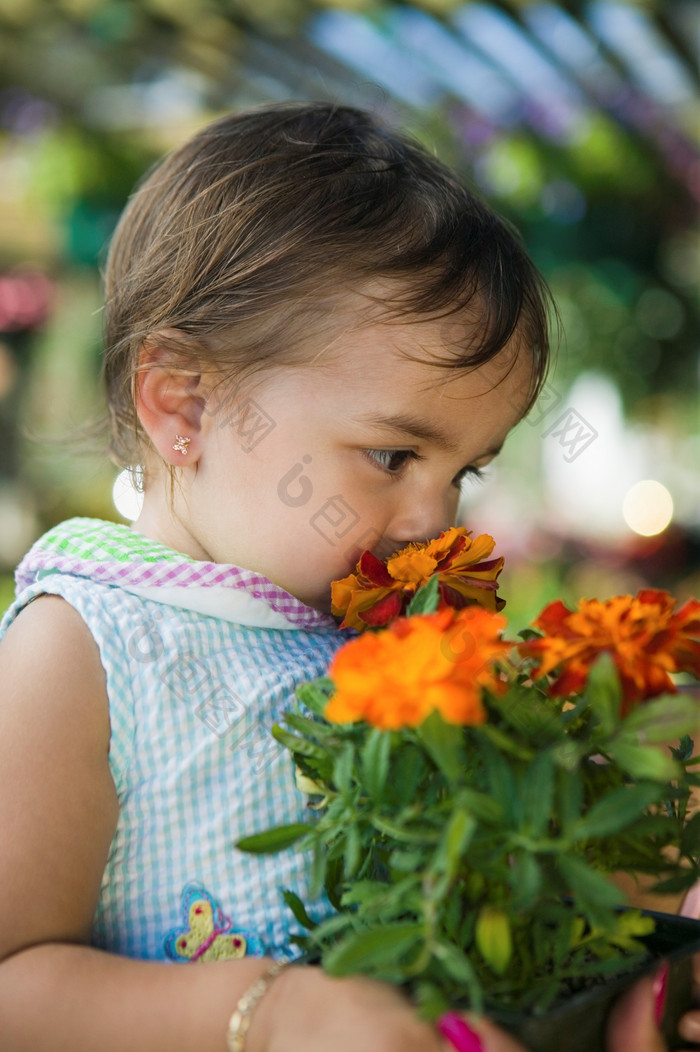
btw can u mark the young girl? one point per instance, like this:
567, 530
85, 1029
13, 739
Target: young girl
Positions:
314, 334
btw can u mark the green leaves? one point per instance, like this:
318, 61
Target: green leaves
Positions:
299, 746
532, 716
603, 693
460, 969
493, 938
589, 887
368, 952
375, 761
456, 839
616, 811
472, 862
481, 805
442, 740
686, 747
664, 719
690, 839
643, 761
425, 601
526, 880
274, 840
401, 830
315, 694
297, 907
343, 768
536, 794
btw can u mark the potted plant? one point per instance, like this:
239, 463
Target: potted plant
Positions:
472, 797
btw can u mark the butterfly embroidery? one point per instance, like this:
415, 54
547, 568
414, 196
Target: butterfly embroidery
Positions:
208, 935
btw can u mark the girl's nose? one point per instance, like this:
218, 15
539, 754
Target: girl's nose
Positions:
423, 519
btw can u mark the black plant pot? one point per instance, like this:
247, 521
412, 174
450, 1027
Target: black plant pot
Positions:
578, 1024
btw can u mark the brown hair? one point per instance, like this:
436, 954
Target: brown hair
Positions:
240, 239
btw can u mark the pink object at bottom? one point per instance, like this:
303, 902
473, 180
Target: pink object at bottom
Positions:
691, 903
459, 1034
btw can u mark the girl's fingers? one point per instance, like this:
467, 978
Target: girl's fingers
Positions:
689, 1026
632, 1022
467, 1033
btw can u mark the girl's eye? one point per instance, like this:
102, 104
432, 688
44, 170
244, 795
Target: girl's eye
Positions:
394, 461
391, 460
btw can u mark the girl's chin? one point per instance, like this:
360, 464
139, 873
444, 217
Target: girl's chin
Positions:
321, 603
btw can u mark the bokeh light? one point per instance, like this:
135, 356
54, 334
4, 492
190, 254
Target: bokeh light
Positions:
126, 494
648, 508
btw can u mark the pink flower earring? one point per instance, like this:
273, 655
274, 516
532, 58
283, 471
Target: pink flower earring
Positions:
181, 444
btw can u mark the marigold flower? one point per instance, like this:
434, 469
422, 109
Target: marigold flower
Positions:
421, 664
644, 636
378, 592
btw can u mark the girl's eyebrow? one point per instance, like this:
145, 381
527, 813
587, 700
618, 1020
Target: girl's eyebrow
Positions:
423, 429
412, 426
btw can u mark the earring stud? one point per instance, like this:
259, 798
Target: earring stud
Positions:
181, 444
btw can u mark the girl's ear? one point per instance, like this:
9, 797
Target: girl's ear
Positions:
170, 400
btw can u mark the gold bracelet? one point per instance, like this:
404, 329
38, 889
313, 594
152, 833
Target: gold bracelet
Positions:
240, 1020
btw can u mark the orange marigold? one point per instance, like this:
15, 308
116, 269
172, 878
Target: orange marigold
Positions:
378, 592
398, 677
645, 637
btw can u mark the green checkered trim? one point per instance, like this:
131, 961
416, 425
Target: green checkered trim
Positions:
101, 541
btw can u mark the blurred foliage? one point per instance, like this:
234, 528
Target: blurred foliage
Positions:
599, 174
101, 87
7, 591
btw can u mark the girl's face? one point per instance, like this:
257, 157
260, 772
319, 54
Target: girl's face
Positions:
361, 448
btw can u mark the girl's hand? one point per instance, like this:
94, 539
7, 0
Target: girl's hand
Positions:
632, 1027
469, 1034
308, 1011
633, 1020
689, 1026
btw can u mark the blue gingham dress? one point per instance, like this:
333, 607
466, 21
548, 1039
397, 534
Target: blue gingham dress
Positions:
200, 660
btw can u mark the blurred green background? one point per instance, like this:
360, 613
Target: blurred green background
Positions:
578, 121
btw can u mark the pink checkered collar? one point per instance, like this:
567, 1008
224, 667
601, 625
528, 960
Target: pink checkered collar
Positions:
114, 554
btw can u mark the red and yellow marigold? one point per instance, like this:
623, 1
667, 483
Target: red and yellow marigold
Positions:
378, 592
646, 638
421, 664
